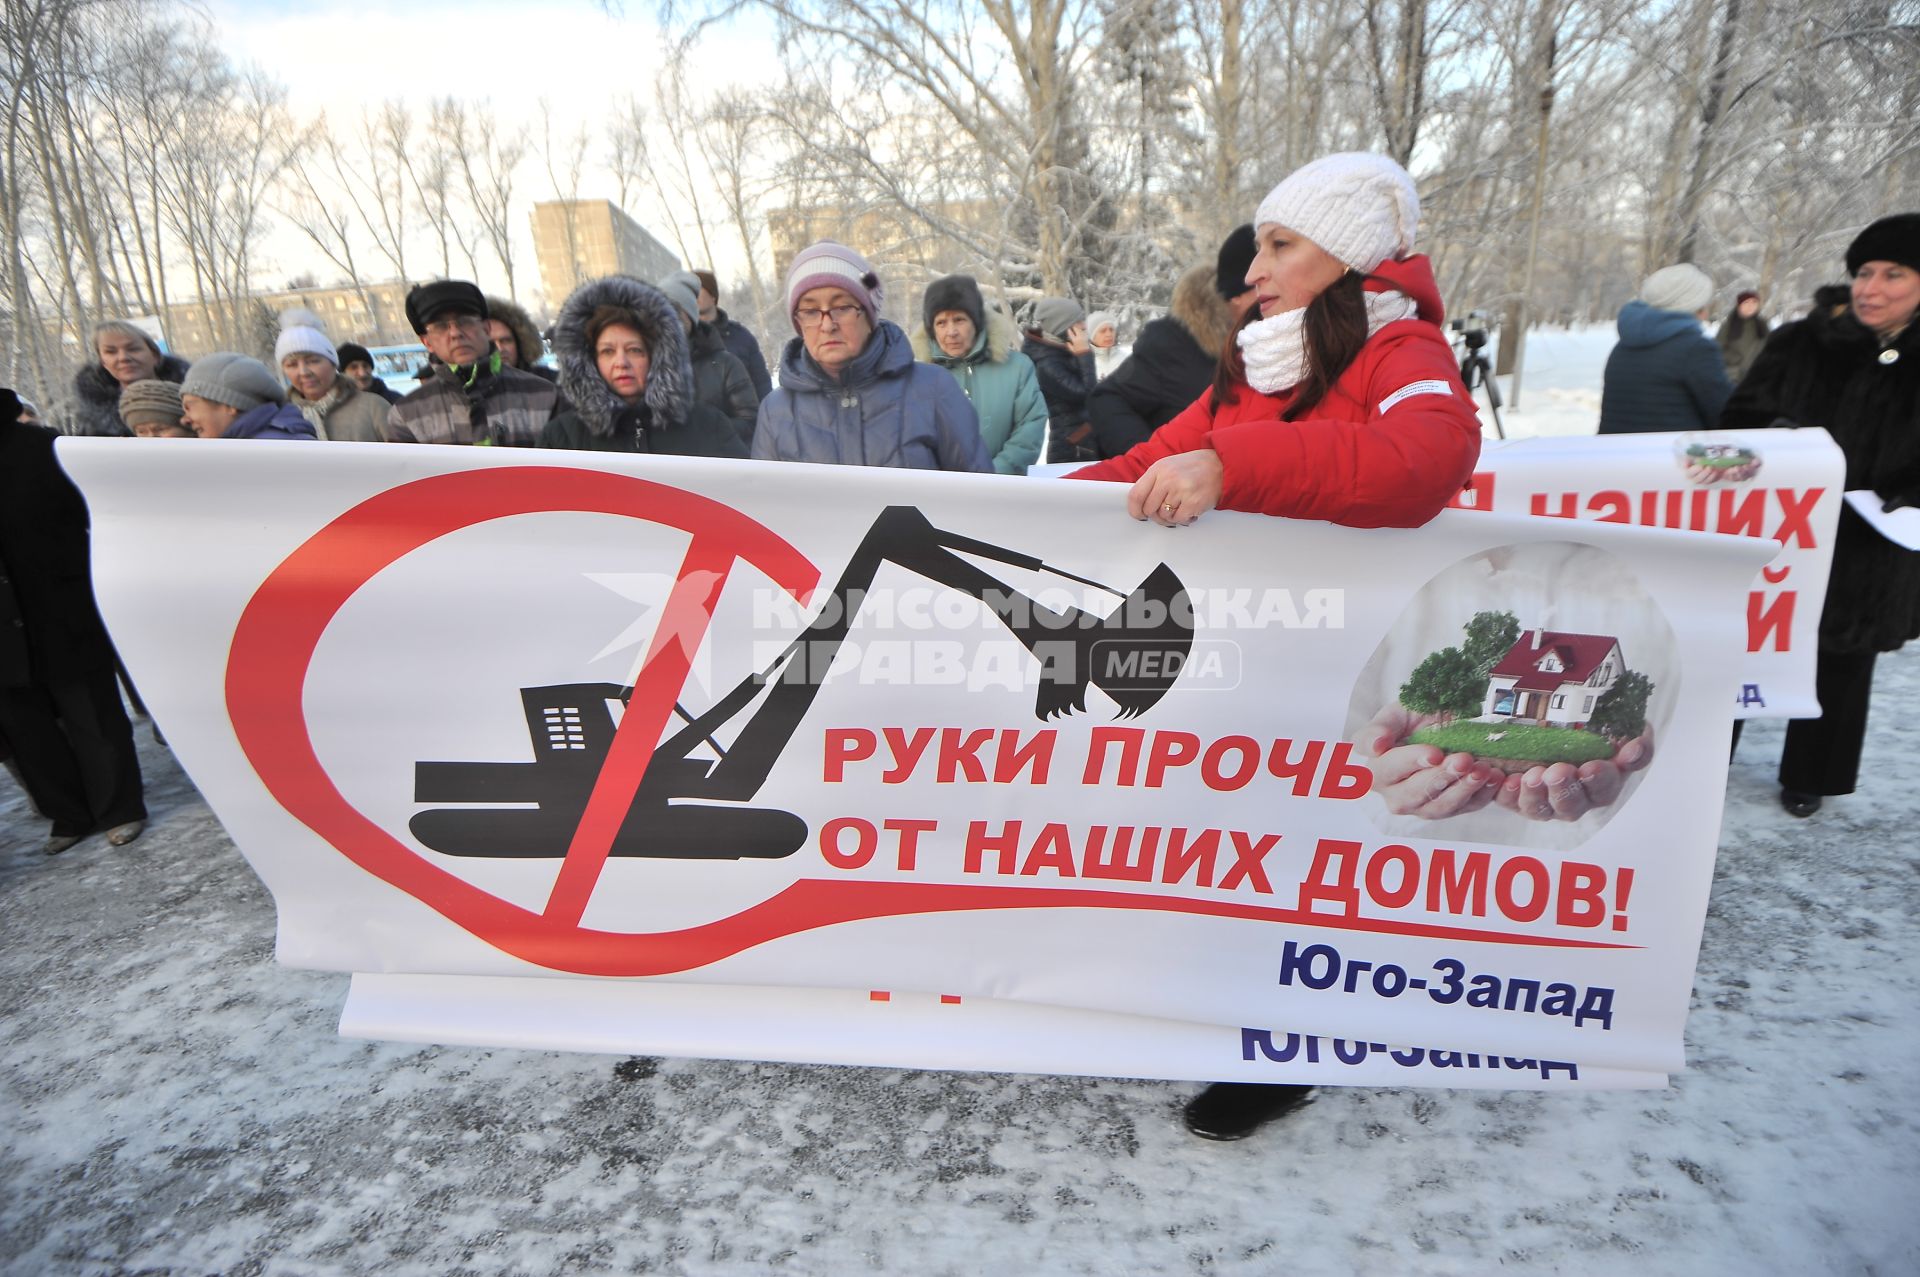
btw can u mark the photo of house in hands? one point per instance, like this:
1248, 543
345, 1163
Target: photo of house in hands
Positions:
1553, 678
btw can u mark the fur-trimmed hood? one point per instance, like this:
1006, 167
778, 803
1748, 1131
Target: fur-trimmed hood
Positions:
1002, 340
526, 333
1198, 308
669, 392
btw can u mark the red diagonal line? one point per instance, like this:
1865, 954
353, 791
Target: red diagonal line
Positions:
683, 624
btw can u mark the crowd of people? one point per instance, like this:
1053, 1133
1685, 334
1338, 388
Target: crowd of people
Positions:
1302, 373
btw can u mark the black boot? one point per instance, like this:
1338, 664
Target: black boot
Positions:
1799, 804
1235, 1110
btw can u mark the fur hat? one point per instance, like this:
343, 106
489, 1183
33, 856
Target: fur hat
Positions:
151, 401
1235, 260
1054, 315
239, 381
1682, 287
1891, 239
354, 353
954, 292
1360, 207
830, 265
1745, 295
301, 334
426, 301
682, 288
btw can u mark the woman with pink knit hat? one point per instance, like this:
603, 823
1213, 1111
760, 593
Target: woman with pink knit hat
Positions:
1340, 399
850, 390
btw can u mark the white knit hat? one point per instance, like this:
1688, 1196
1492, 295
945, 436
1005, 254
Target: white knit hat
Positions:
1360, 207
300, 334
1682, 286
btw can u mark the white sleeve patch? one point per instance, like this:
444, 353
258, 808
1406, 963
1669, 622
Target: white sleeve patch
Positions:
1417, 388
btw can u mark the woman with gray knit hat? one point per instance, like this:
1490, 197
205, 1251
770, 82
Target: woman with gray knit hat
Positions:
850, 391
1856, 374
232, 396
1665, 374
1340, 400
977, 347
332, 404
1056, 342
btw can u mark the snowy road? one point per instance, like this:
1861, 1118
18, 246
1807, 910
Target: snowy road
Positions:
171, 1102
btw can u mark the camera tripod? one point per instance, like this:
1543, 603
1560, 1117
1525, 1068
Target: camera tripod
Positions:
1476, 371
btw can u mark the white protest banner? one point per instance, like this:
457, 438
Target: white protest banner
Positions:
1783, 485
917, 1031
480, 712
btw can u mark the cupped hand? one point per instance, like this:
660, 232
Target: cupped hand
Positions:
1423, 780
1562, 791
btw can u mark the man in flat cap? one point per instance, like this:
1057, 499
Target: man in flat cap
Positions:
473, 395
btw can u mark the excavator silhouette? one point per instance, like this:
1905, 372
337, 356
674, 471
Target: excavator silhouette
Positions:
692, 807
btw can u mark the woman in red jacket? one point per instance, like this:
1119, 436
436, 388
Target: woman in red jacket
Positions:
1340, 401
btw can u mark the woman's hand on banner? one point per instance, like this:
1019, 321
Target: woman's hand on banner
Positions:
1422, 780
1178, 489
1564, 792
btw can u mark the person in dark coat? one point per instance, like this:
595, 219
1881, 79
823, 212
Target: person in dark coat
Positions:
124, 354
720, 380
734, 335
1742, 333
1056, 342
356, 364
1666, 373
60, 708
517, 337
1173, 360
1857, 374
626, 377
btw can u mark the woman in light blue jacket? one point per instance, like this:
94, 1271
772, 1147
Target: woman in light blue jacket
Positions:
850, 392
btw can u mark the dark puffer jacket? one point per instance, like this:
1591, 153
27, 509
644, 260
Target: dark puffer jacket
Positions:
744, 346
97, 397
50, 630
1665, 374
1065, 380
721, 382
667, 419
1172, 364
1827, 371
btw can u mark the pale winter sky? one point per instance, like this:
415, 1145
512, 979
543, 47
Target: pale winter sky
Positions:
345, 58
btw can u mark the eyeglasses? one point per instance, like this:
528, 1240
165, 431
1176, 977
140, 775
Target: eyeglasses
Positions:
842, 316
454, 323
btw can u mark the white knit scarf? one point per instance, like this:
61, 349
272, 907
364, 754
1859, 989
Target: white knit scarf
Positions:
1275, 348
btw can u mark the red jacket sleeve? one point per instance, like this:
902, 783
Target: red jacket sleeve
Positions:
1184, 433
1390, 445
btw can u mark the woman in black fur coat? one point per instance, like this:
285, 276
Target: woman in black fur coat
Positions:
123, 354
1856, 373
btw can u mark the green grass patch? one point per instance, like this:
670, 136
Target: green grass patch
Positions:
1723, 463
1515, 740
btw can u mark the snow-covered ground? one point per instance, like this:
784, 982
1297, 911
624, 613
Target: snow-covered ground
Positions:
1559, 383
172, 1102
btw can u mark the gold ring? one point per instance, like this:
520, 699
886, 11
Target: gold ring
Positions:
1167, 506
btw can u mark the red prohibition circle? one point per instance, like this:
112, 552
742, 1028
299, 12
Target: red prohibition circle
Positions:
281, 627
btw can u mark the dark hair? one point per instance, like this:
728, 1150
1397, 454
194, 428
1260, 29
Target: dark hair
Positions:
1334, 328
605, 317
708, 282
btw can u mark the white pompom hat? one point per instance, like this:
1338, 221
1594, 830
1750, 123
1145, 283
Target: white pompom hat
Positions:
301, 333
1360, 207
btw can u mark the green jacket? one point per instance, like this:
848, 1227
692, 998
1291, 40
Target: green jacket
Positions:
1005, 393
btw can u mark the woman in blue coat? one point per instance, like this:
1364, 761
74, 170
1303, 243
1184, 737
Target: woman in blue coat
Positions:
850, 392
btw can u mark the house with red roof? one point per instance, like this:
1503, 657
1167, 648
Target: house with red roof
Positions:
1553, 678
